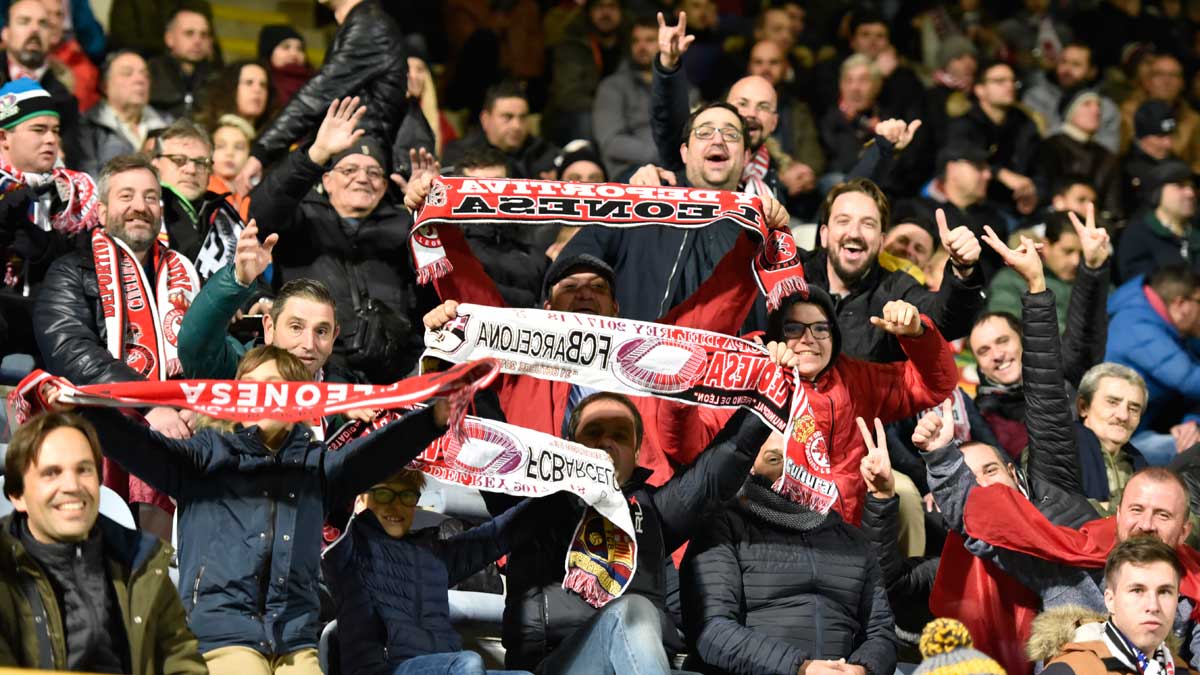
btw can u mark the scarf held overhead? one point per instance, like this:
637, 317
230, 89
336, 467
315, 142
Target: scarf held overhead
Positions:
142, 327
500, 457
511, 202
640, 358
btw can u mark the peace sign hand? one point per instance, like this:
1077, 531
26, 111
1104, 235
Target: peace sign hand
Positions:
1024, 259
1093, 240
876, 467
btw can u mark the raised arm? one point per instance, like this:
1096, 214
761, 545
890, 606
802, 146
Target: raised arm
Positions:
468, 552
355, 468
1086, 336
714, 478
669, 91
166, 464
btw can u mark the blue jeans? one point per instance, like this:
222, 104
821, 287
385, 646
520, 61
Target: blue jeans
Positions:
449, 663
1158, 449
625, 638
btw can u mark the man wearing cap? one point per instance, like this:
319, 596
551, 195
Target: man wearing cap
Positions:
351, 236
1154, 125
1073, 69
579, 163
1073, 151
26, 38
1165, 234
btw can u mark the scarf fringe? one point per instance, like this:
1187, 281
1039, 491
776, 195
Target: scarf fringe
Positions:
789, 286
586, 586
434, 270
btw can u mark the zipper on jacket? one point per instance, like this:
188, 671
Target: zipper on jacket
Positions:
662, 306
196, 586
818, 615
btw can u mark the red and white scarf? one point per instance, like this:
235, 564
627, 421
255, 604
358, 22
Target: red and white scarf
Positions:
760, 162
142, 326
74, 201
516, 203
640, 358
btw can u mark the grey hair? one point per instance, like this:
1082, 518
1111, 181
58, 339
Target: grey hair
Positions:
121, 164
1091, 380
856, 60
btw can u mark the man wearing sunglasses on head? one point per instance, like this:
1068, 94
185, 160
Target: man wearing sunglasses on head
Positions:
200, 224
390, 583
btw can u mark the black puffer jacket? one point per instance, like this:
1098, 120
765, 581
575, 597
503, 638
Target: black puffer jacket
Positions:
316, 243
366, 59
515, 258
768, 585
539, 614
952, 308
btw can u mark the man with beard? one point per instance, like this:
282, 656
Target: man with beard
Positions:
27, 40
1074, 69
84, 287
854, 217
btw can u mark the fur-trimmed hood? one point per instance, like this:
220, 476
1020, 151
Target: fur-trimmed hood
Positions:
1056, 627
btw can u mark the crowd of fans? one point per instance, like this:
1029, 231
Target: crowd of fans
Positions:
995, 205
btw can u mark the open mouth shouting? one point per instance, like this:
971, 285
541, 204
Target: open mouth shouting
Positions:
716, 157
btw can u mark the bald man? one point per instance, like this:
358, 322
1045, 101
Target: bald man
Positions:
796, 129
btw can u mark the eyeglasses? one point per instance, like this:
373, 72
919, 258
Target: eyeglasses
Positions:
705, 133
373, 174
383, 495
794, 330
201, 163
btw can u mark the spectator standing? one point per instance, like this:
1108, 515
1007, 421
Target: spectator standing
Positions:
1163, 235
366, 59
281, 47
27, 43
590, 51
178, 77
504, 126
81, 591
120, 123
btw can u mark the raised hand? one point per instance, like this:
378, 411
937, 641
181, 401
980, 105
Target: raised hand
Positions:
900, 318
653, 176
1024, 259
673, 41
935, 430
252, 258
898, 132
1093, 240
441, 315
417, 190
960, 243
422, 162
775, 213
781, 354
876, 467
339, 130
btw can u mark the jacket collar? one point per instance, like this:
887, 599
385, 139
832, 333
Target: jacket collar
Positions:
637, 480
130, 548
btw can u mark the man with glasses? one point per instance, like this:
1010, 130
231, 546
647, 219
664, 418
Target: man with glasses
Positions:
200, 224
389, 582
352, 236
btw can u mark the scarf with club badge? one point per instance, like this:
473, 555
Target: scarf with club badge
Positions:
516, 203
142, 322
65, 202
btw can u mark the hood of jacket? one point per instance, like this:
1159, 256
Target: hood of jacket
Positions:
820, 298
1054, 628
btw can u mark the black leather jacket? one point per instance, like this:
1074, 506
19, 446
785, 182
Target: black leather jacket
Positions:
367, 59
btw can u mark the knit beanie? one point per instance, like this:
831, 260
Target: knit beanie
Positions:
270, 37
1072, 99
23, 99
947, 649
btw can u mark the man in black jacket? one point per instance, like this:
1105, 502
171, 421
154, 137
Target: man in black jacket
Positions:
366, 59
504, 127
771, 586
555, 630
178, 77
352, 236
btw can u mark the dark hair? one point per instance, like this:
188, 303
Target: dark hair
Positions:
121, 164
189, 10
182, 128
1075, 44
479, 158
865, 186
290, 366
1063, 183
1057, 224
1174, 281
577, 413
221, 98
310, 289
1008, 318
108, 62
503, 89
644, 21
26, 446
691, 121
981, 72
1141, 550
867, 16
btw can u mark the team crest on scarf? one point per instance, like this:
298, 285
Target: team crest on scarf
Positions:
8, 106
601, 561
807, 471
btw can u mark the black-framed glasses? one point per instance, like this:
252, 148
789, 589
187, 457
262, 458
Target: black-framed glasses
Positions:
794, 330
201, 163
383, 495
705, 133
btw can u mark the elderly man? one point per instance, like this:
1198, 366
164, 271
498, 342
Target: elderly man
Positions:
124, 271
845, 127
26, 42
178, 77
504, 125
81, 592
121, 121
200, 224
351, 236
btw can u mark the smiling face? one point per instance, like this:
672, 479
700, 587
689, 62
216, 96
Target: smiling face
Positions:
1142, 600
1156, 508
814, 352
756, 102
714, 163
304, 327
61, 492
988, 467
1114, 411
387, 501
355, 185
33, 144
853, 235
132, 209
997, 349
583, 292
